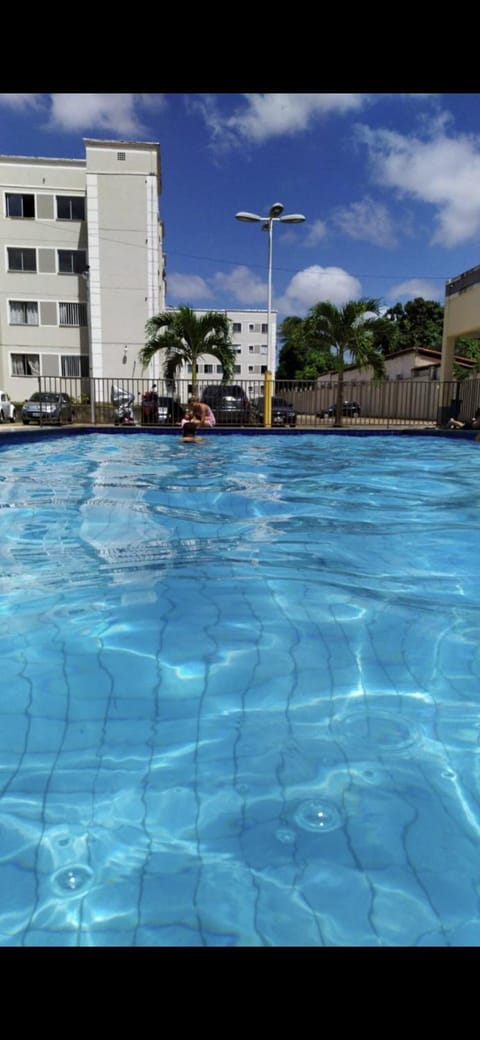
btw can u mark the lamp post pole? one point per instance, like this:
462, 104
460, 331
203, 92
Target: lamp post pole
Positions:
270, 344
274, 215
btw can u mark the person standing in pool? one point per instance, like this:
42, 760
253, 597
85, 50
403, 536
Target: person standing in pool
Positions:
189, 433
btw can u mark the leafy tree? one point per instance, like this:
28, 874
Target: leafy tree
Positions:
347, 330
300, 356
423, 324
468, 348
183, 337
418, 323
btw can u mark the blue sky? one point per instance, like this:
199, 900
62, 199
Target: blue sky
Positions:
389, 185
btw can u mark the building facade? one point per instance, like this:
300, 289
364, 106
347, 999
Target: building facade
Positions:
82, 264
461, 315
409, 363
83, 268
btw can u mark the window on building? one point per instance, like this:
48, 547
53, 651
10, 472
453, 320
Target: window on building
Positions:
20, 205
254, 328
73, 313
265, 327
70, 207
254, 348
237, 370
237, 326
23, 312
74, 366
22, 259
72, 261
208, 370
25, 364
219, 370
237, 348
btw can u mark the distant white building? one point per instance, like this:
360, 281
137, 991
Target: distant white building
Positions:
82, 269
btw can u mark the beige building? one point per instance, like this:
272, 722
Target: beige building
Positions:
82, 267
461, 315
410, 363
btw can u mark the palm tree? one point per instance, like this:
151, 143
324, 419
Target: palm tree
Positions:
347, 329
184, 337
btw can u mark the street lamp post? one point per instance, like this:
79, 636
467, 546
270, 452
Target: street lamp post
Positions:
275, 215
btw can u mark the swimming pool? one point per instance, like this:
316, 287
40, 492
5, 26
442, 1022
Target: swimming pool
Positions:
240, 691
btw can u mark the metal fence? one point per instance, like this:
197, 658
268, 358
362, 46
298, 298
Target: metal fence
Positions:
387, 404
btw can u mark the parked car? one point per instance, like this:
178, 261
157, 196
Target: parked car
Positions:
159, 409
283, 414
350, 408
7, 408
229, 404
48, 407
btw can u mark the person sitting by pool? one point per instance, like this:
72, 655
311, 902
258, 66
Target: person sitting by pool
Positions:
471, 424
202, 412
189, 433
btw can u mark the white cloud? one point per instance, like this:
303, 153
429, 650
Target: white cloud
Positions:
317, 232
441, 171
261, 117
316, 284
416, 288
115, 113
366, 221
22, 101
81, 113
247, 288
188, 288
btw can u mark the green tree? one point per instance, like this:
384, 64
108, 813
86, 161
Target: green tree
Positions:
347, 330
423, 324
183, 337
467, 347
418, 323
300, 355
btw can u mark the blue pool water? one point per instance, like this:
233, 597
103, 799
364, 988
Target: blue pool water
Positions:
240, 691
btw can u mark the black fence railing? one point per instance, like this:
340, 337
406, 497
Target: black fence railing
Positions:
402, 402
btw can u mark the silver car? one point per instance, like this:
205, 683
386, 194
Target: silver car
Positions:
47, 407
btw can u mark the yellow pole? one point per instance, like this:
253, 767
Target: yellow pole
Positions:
267, 399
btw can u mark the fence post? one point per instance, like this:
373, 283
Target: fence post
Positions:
92, 401
267, 399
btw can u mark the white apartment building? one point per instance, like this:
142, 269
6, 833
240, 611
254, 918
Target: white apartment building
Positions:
81, 264
82, 268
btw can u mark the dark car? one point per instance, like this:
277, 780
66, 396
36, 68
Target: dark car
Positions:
229, 404
160, 409
48, 407
350, 408
283, 414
